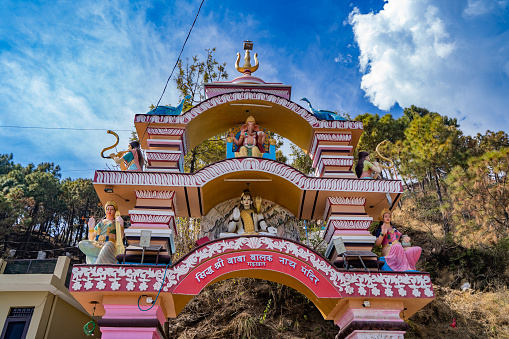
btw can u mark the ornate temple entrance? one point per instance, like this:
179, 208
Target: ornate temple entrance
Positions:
243, 240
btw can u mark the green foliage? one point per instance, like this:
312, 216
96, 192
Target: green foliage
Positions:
193, 76
6, 163
188, 230
208, 152
279, 143
378, 129
481, 198
312, 232
34, 199
455, 182
430, 146
267, 308
301, 160
190, 80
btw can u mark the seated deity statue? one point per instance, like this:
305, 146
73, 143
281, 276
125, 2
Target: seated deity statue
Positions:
246, 220
397, 253
250, 141
101, 247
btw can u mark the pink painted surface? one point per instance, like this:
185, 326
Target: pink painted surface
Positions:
114, 311
149, 194
337, 227
209, 270
368, 314
284, 93
400, 259
348, 201
130, 333
367, 334
264, 98
243, 79
318, 152
138, 226
166, 131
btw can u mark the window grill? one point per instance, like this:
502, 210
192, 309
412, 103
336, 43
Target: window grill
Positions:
21, 312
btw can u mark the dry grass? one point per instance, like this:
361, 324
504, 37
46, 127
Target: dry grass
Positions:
235, 308
405, 216
478, 315
490, 310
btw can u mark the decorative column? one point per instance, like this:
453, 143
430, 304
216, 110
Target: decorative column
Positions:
369, 320
128, 321
154, 211
166, 149
347, 219
332, 154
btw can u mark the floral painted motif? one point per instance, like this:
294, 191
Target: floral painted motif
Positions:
136, 278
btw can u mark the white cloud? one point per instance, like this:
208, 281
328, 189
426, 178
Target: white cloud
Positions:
423, 53
481, 7
344, 59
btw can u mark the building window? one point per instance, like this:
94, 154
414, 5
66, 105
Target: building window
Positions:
16, 324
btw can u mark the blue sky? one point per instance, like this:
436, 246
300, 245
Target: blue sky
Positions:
95, 64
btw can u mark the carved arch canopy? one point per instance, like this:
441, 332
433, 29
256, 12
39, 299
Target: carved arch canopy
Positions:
216, 115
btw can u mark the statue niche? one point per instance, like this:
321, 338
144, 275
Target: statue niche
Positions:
217, 221
250, 140
246, 219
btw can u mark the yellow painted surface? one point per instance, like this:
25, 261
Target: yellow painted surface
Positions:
278, 190
40, 300
275, 119
219, 119
66, 321
53, 318
217, 190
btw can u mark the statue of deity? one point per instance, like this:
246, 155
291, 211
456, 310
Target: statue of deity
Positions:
250, 141
133, 158
101, 246
397, 253
247, 219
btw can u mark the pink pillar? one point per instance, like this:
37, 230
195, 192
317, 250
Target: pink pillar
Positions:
364, 323
128, 321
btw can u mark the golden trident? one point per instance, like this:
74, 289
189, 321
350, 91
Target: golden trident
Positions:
247, 68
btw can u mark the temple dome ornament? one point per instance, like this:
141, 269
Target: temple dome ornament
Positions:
247, 69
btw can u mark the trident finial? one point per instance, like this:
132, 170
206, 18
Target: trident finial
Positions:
247, 68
